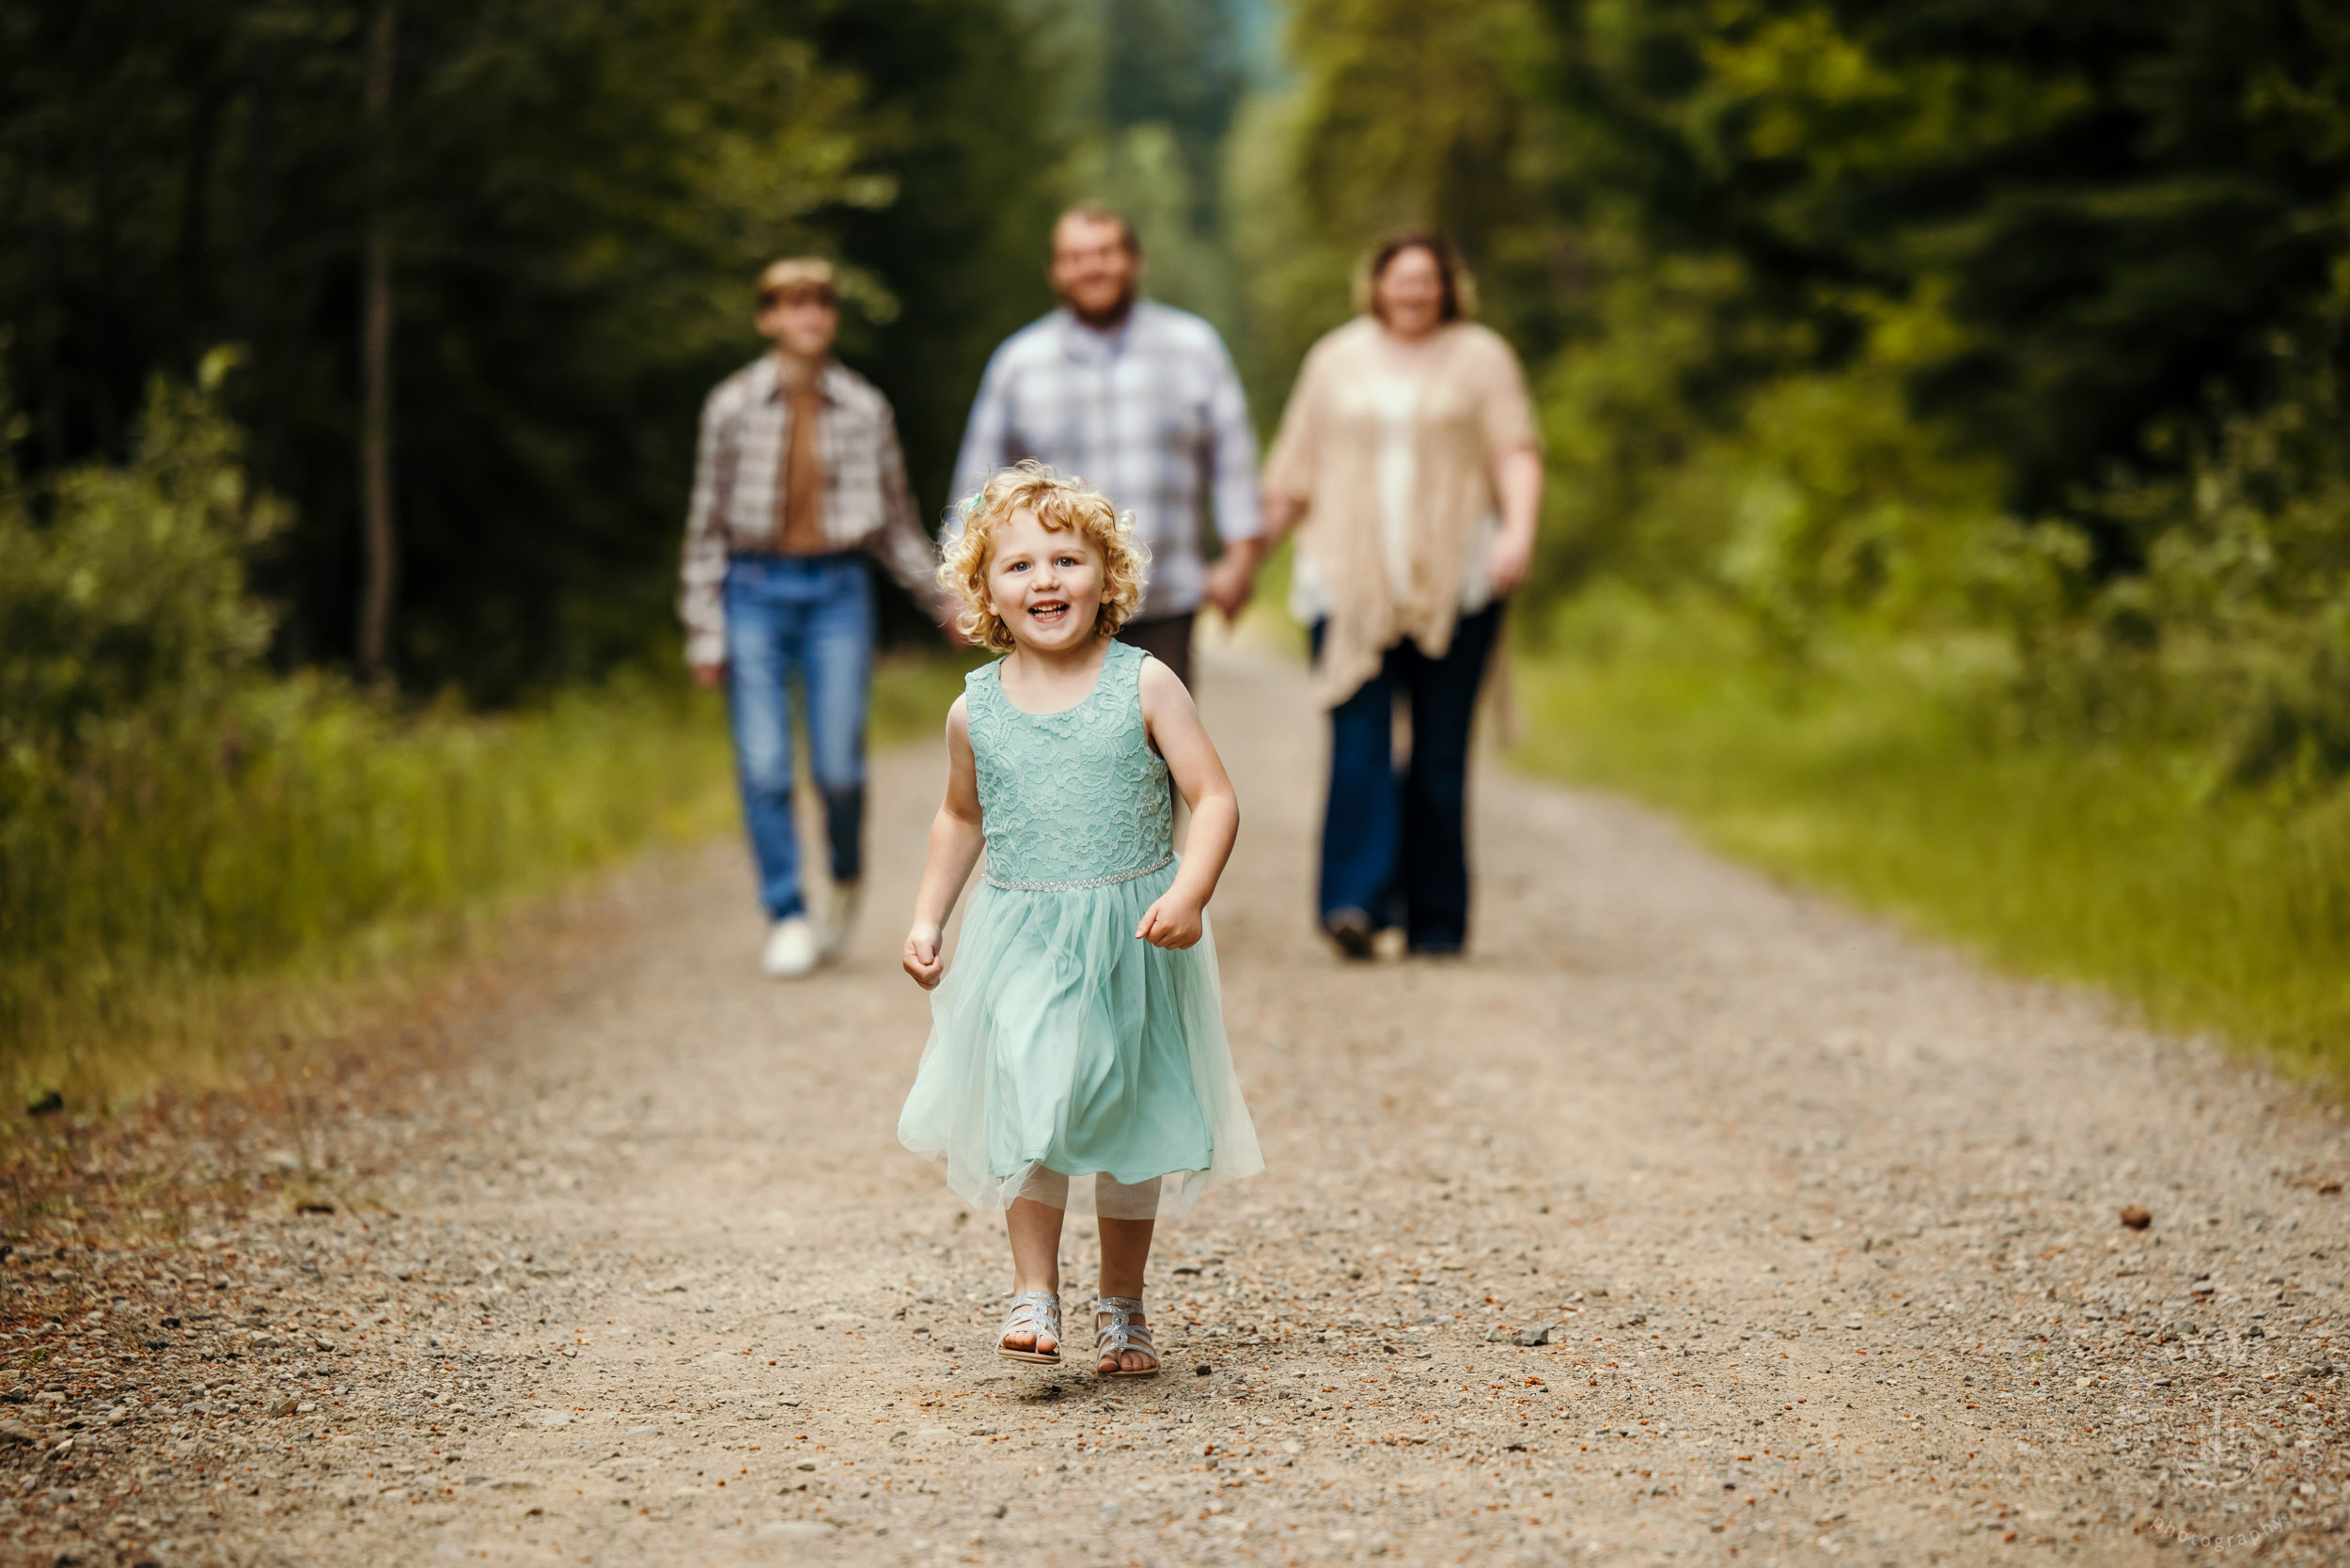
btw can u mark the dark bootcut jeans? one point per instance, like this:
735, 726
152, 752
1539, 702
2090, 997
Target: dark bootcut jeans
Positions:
1394, 841
806, 621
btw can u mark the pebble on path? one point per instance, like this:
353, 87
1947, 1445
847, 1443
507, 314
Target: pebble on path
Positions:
1689, 1215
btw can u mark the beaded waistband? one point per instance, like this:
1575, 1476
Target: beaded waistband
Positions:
994, 881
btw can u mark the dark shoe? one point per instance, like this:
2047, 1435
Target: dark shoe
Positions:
1351, 929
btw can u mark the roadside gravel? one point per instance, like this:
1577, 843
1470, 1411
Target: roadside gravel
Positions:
1692, 1217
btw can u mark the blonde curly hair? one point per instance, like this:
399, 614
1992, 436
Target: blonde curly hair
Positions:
1063, 505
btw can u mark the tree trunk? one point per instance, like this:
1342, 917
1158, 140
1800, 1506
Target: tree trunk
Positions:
375, 352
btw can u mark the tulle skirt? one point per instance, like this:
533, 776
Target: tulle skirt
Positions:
1060, 1046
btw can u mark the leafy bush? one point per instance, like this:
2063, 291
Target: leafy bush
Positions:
1875, 321
132, 600
1949, 471
2238, 626
174, 818
576, 196
2097, 860
182, 833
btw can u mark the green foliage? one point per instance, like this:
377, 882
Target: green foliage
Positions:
133, 598
1950, 497
172, 816
1884, 776
966, 106
2101, 200
1402, 113
581, 192
180, 869
181, 833
2238, 626
1156, 86
1175, 66
1872, 320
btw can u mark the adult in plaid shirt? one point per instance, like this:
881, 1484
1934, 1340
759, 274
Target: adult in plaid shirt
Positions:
1140, 401
799, 482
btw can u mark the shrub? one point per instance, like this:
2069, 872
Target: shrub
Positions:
175, 820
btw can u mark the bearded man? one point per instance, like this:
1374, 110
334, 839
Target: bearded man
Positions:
1140, 401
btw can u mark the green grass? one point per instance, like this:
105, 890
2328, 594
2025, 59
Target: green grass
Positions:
912, 693
2092, 860
191, 891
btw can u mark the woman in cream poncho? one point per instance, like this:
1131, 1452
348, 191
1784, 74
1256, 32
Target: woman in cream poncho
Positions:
1409, 452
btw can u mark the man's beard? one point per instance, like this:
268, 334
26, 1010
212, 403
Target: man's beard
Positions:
1106, 321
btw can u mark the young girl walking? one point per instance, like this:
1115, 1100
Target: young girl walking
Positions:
1076, 1057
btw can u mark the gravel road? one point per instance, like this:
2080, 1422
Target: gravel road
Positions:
1691, 1217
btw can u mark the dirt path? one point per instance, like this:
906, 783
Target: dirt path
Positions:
1820, 1226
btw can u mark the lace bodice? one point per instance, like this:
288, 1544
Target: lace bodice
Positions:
1074, 797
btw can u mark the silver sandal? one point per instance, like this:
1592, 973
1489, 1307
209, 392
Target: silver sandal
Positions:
1124, 1331
1038, 1313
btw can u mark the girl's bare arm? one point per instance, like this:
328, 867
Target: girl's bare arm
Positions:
1173, 722
955, 845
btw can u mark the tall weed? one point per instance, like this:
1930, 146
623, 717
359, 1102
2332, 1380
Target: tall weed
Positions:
186, 839
1897, 774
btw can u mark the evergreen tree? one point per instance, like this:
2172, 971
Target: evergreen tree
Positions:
574, 199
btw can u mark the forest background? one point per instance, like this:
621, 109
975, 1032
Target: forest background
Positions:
1948, 498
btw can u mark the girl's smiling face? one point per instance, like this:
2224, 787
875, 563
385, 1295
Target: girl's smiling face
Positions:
1046, 586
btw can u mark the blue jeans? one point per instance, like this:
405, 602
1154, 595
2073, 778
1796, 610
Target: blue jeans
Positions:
809, 619
1395, 842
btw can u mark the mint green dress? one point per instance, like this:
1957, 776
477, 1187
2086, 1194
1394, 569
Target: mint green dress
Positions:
1061, 1045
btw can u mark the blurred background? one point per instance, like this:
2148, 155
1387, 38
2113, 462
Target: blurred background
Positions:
1948, 494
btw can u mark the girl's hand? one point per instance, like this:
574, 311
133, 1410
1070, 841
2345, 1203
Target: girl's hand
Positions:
1173, 921
922, 959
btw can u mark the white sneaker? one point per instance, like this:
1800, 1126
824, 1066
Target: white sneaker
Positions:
848, 898
791, 948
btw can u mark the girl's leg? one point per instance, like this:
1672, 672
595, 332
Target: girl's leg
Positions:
1035, 1231
1126, 1255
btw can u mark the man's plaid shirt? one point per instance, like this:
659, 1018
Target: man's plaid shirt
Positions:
746, 428
1153, 416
